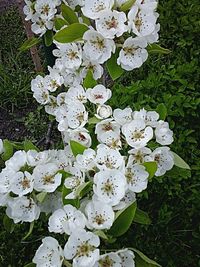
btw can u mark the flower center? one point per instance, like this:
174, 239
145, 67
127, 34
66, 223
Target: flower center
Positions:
108, 187
25, 183
99, 219
113, 23
72, 55
45, 9
138, 135
84, 249
106, 262
48, 179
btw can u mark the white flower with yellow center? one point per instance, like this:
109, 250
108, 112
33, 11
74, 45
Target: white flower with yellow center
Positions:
138, 156
164, 135
77, 116
133, 53
66, 220
123, 116
127, 257
97, 48
29, 10
85, 162
54, 80
128, 199
52, 106
150, 117
49, 254
82, 248
107, 127
22, 209
80, 135
40, 26
94, 67
22, 183
40, 92
136, 178
109, 260
108, 158
111, 139
93, 8
137, 134
111, 24
147, 5
99, 94
109, 186
46, 9
99, 215
76, 93
46, 177
35, 158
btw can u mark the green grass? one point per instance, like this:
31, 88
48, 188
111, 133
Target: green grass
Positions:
172, 201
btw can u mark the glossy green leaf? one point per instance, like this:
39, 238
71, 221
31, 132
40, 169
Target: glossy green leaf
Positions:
29, 43
101, 234
41, 196
8, 224
162, 111
123, 221
8, 150
142, 217
179, 162
151, 167
71, 33
30, 230
127, 5
93, 120
83, 189
157, 49
48, 38
89, 81
142, 260
68, 14
114, 69
73, 202
30, 265
77, 148
28, 145
59, 23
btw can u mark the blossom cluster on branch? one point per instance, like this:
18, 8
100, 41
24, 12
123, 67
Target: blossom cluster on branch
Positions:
87, 188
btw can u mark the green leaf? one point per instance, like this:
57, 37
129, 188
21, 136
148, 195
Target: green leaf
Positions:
41, 196
30, 230
8, 224
157, 49
73, 202
8, 150
114, 69
89, 81
123, 221
30, 265
151, 168
59, 23
48, 38
142, 260
28, 145
93, 120
29, 43
68, 14
101, 234
142, 217
71, 33
179, 162
126, 6
77, 148
83, 189
162, 111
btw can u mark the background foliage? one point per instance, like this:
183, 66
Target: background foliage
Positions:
173, 202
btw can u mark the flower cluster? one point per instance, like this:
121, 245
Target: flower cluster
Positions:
112, 30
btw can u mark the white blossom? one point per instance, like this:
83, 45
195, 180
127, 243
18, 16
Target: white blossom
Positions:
17, 161
93, 66
128, 199
138, 156
6, 178
76, 93
127, 257
86, 161
122, 116
164, 135
99, 94
150, 117
103, 112
93, 8
22, 183
109, 259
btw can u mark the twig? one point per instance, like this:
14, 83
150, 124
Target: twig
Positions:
48, 141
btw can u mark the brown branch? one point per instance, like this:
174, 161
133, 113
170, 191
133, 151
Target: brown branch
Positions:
30, 34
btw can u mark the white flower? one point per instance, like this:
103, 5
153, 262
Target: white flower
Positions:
22, 183
46, 9
133, 53
100, 215
97, 48
137, 134
123, 116
52, 106
54, 80
138, 156
29, 10
77, 116
6, 177
147, 5
164, 158
40, 93
150, 117
49, 254
82, 248
93, 8
109, 186
94, 67
66, 220
40, 26
4, 198
70, 54
127, 257
141, 22
35, 158
18, 160
108, 158
76, 93
73, 3
80, 135
110, 260
61, 158
106, 126
1, 147
22, 209
111, 24
128, 199
86, 161
164, 135
111, 139
99, 94
137, 178
72, 77
103, 112
46, 177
